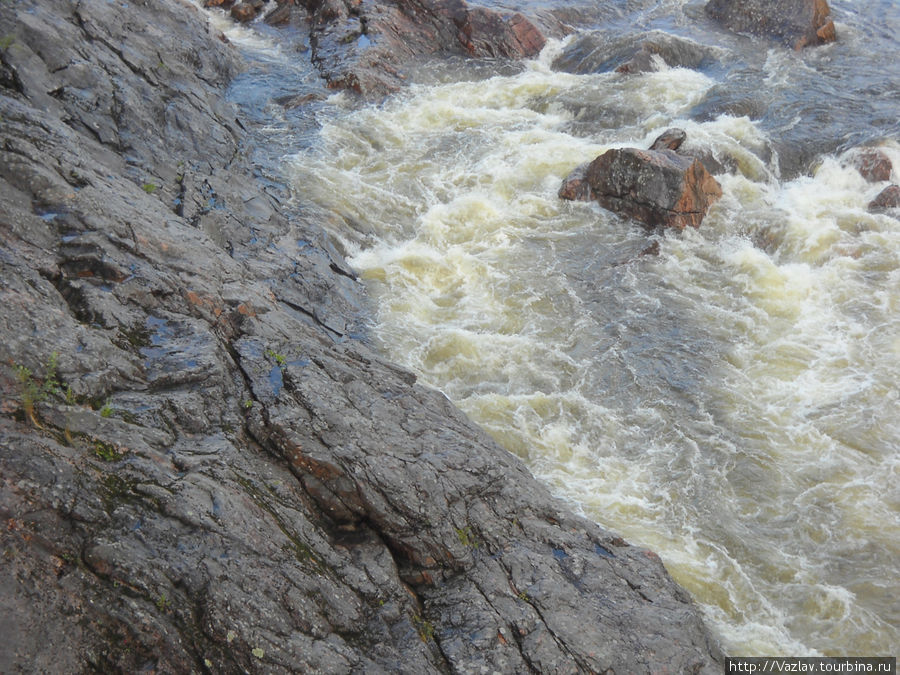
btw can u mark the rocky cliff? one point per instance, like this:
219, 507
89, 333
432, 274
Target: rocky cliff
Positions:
203, 466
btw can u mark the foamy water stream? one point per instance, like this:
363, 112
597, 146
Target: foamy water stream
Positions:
731, 402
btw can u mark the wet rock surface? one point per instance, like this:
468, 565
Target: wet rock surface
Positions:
366, 47
575, 186
203, 466
660, 188
670, 139
600, 52
873, 164
797, 23
887, 199
664, 186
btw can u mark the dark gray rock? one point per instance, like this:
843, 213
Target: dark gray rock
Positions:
797, 23
673, 139
599, 52
204, 468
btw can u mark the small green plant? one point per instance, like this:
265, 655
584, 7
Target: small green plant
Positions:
149, 188
523, 596
106, 410
248, 403
424, 627
162, 603
279, 358
33, 392
466, 537
105, 451
6, 41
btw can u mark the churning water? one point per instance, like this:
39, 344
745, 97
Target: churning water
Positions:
731, 402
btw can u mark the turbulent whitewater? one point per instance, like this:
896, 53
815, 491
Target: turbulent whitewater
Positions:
730, 402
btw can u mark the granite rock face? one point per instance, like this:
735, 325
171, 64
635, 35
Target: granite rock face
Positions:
203, 465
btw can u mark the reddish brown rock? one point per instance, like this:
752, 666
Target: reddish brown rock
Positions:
872, 164
576, 187
889, 198
530, 40
797, 23
670, 139
365, 46
658, 187
243, 12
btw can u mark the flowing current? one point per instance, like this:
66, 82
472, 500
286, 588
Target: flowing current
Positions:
730, 402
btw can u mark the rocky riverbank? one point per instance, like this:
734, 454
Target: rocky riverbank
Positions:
204, 466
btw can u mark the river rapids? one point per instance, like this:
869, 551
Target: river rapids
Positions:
730, 402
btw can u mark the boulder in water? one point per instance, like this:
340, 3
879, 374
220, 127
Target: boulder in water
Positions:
872, 164
889, 198
670, 139
244, 11
646, 185
798, 23
658, 187
672, 51
598, 52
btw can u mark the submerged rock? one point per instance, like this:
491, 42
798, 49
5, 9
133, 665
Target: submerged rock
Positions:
887, 199
599, 52
660, 188
797, 23
280, 15
873, 164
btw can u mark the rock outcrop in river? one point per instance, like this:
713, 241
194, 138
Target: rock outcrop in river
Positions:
659, 186
598, 52
203, 466
366, 46
797, 23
